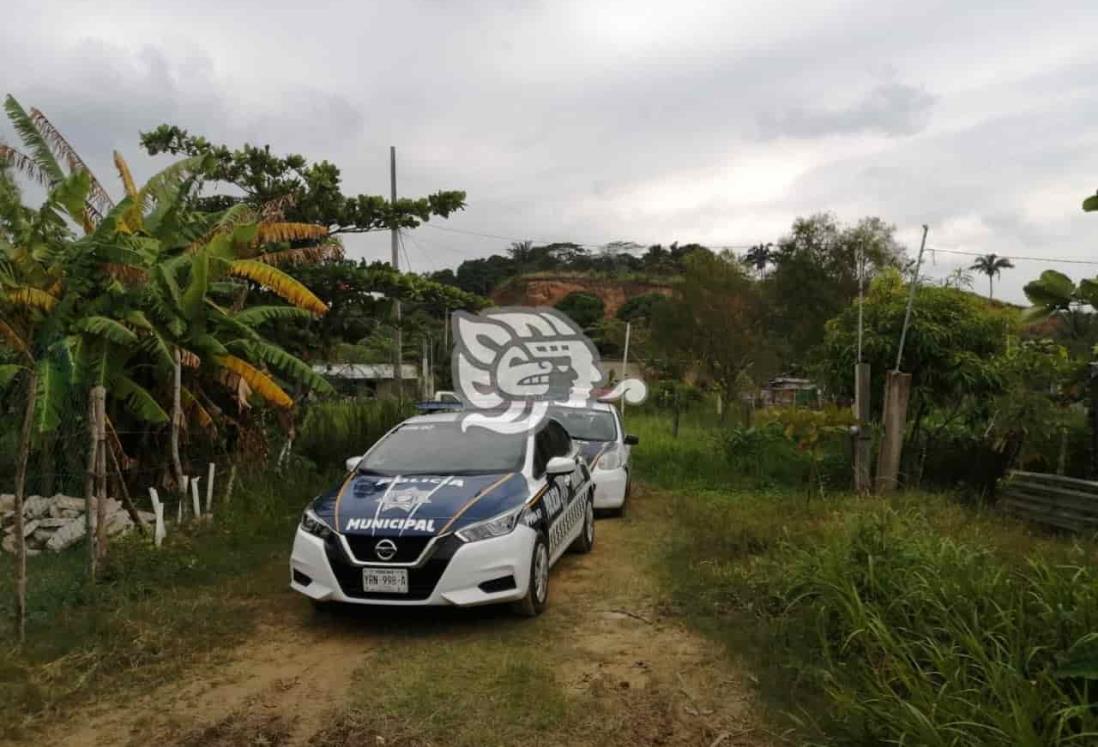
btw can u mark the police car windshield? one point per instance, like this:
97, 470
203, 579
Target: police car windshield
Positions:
586, 425
442, 449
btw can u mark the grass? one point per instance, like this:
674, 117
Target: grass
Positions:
914, 620
153, 611
460, 691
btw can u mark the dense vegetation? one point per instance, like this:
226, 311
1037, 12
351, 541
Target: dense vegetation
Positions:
869, 621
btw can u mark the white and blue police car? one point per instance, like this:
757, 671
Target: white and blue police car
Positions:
436, 515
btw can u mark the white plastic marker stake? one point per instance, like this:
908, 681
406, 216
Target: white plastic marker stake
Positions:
182, 498
210, 489
158, 514
194, 498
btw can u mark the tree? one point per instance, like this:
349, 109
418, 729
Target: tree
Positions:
304, 192
991, 265
715, 322
358, 296
952, 337
960, 278
641, 308
759, 257
585, 309
815, 276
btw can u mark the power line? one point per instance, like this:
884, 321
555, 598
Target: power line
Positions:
404, 250
1063, 260
469, 252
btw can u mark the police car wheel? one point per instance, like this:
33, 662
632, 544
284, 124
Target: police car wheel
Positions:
537, 590
586, 540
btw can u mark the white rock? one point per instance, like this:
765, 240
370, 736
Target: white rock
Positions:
7, 503
66, 536
36, 506
119, 522
68, 503
29, 527
52, 523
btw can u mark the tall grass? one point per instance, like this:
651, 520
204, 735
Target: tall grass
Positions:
914, 620
332, 431
708, 453
911, 622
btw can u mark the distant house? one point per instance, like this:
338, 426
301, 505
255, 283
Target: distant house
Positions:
369, 379
786, 391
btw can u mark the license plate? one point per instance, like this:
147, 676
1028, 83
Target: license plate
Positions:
385, 580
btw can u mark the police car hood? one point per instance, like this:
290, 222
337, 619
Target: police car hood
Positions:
418, 505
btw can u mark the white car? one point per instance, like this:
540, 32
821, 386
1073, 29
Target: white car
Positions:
605, 447
434, 515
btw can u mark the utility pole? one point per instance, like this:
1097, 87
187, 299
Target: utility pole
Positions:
625, 364
897, 394
863, 439
398, 373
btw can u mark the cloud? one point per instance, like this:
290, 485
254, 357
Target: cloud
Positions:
888, 109
699, 120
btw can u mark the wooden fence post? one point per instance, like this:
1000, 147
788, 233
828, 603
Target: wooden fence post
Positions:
89, 489
897, 392
99, 395
20, 495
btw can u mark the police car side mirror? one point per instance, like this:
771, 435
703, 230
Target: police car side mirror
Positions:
352, 462
630, 440
560, 466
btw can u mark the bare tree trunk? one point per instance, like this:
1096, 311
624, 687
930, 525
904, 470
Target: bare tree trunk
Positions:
177, 421
1061, 461
20, 494
99, 396
89, 490
124, 492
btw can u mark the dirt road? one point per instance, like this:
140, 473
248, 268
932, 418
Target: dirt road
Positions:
608, 663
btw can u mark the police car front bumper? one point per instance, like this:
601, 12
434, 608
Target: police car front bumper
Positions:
451, 572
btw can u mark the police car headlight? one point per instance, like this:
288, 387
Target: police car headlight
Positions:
497, 526
610, 460
314, 525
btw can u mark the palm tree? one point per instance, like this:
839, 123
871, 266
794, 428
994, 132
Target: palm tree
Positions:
759, 257
991, 265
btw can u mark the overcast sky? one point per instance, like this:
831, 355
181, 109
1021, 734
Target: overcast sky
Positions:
593, 121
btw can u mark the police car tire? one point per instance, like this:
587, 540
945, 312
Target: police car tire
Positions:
529, 605
585, 542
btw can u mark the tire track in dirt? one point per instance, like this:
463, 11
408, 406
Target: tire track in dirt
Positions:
618, 645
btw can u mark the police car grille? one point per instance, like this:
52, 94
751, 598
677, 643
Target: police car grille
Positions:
421, 580
408, 549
